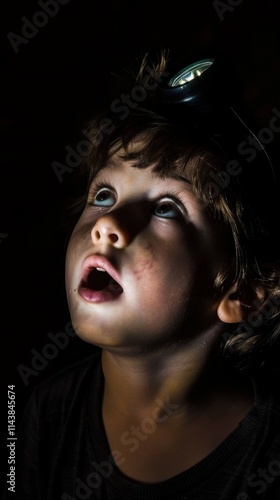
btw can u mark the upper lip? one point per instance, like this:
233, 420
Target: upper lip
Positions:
94, 261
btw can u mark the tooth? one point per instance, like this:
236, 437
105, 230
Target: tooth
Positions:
100, 269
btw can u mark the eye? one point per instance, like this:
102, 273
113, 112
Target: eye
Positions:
104, 197
167, 209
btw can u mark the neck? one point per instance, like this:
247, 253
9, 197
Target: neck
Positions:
185, 380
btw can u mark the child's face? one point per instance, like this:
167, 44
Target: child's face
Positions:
150, 234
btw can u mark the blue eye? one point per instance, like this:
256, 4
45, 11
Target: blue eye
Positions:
104, 198
167, 210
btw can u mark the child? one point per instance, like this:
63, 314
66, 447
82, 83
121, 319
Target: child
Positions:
174, 276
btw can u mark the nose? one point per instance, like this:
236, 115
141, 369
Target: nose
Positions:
108, 231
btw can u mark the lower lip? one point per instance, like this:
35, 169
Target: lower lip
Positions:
97, 296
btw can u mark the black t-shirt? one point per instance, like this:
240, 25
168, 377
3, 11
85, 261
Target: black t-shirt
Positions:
63, 453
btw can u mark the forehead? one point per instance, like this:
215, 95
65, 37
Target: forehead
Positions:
165, 162
118, 168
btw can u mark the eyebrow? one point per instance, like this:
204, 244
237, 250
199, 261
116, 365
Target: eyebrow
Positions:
178, 177
113, 164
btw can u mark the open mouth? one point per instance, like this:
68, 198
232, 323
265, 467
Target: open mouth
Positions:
98, 280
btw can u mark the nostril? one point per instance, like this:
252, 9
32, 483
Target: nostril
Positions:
110, 236
97, 235
114, 238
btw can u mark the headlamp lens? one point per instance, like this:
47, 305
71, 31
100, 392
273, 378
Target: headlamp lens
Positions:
190, 72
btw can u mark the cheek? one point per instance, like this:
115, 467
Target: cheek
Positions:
162, 268
174, 268
145, 263
79, 239
72, 256
71, 280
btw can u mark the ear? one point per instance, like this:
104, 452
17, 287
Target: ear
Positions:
230, 309
233, 310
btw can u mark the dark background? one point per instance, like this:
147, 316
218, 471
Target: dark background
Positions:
48, 90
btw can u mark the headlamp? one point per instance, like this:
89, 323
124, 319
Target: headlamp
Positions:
206, 94
191, 84
190, 72
203, 85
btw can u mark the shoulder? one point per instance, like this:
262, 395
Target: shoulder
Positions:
58, 392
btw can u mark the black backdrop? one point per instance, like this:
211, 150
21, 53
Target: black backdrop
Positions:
52, 79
